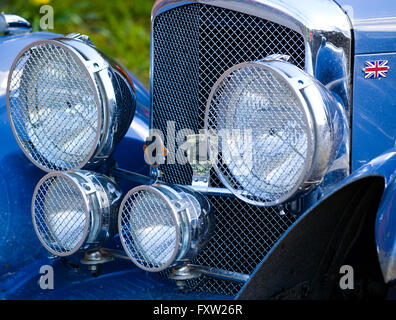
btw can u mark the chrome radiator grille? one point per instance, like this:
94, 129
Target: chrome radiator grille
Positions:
193, 45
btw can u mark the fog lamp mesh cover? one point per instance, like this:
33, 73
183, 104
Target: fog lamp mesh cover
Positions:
148, 230
259, 133
60, 214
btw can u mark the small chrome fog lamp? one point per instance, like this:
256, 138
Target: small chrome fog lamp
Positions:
73, 211
68, 104
161, 226
273, 131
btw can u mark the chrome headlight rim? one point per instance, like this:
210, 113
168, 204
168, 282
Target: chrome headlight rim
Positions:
100, 72
79, 60
192, 220
176, 220
296, 80
99, 194
87, 215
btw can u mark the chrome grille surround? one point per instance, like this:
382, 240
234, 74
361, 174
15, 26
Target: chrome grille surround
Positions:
244, 233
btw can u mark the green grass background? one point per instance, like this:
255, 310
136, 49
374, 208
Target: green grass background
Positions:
120, 28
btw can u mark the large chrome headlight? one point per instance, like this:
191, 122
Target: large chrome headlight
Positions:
272, 131
68, 104
160, 225
73, 211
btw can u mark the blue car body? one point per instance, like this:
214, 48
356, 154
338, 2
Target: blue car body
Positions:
372, 154
373, 129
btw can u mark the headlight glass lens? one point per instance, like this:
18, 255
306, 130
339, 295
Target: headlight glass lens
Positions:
75, 210
262, 144
54, 107
68, 104
148, 230
60, 215
162, 225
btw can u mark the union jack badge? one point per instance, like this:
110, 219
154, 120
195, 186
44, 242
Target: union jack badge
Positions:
376, 69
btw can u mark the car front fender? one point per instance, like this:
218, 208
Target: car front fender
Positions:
319, 241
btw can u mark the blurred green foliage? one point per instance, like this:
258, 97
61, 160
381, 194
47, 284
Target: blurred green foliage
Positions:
120, 28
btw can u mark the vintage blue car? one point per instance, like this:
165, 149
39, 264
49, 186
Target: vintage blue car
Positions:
260, 164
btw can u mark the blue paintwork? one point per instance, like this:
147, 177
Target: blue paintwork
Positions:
17, 176
374, 116
120, 280
327, 55
129, 153
374, 24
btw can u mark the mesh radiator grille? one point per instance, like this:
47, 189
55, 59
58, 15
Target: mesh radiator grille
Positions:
193, 46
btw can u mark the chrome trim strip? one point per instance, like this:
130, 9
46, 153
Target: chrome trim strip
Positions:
13, 24
132, 176
220, 274
145, 180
